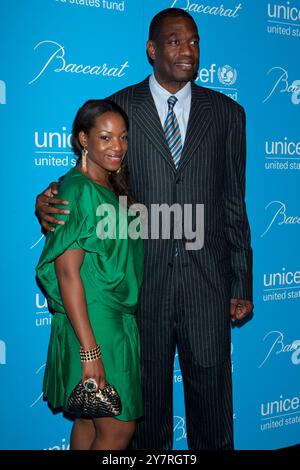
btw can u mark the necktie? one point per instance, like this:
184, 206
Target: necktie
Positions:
172, 131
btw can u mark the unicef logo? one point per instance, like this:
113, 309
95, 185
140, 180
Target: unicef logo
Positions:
227, 75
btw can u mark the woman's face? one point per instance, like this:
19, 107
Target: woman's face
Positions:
106, 143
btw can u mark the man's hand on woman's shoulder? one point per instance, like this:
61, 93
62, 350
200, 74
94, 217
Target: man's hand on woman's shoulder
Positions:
44, 207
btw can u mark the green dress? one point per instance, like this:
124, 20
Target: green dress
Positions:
111, 274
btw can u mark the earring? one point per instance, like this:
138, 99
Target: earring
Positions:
119, 170
83, 159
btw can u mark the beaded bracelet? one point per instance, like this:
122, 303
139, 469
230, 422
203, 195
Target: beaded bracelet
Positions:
90, 354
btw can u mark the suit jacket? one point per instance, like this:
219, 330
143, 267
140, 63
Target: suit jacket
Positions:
211, 172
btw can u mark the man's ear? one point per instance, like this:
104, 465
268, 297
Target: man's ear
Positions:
151, 49
82, 139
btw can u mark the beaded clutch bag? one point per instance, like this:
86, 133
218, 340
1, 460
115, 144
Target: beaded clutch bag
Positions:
86, 404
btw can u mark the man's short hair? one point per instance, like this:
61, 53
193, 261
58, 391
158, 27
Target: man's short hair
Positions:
157, 21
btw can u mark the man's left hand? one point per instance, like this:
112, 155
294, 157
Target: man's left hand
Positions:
240, 308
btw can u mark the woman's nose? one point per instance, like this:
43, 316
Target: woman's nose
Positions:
116, 144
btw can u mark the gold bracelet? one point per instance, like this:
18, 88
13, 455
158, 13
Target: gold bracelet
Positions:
90, 354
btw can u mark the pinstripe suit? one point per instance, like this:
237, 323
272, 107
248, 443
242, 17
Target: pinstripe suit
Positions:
185, 299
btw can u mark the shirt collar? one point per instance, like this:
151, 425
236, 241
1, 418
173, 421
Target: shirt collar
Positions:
161, 92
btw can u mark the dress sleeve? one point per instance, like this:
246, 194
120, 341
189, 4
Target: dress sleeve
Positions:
79, 232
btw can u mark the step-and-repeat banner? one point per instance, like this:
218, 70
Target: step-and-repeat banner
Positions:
55, 54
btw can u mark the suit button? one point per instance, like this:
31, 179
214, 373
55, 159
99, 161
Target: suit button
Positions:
170, 264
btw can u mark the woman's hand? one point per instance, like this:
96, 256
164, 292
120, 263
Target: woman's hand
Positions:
94, 370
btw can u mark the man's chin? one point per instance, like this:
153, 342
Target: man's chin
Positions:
185, 76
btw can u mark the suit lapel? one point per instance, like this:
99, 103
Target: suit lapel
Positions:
145, 115
199, 121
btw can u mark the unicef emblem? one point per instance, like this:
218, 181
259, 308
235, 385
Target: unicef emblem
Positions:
227, 75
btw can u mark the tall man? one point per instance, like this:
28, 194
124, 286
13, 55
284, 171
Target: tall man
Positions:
187, 146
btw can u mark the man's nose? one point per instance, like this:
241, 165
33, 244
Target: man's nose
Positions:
185, 48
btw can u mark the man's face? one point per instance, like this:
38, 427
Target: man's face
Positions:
175, 53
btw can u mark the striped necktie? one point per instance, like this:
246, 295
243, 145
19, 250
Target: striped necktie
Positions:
172, 132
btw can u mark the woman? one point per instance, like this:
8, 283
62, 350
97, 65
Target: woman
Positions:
92, 279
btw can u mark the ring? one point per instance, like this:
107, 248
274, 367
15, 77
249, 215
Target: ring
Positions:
90, 385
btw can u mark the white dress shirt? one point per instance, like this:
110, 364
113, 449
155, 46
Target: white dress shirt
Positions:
181, 108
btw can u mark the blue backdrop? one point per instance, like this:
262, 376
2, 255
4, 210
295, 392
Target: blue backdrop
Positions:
55, 54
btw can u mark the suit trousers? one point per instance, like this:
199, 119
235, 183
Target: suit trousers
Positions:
207, 390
